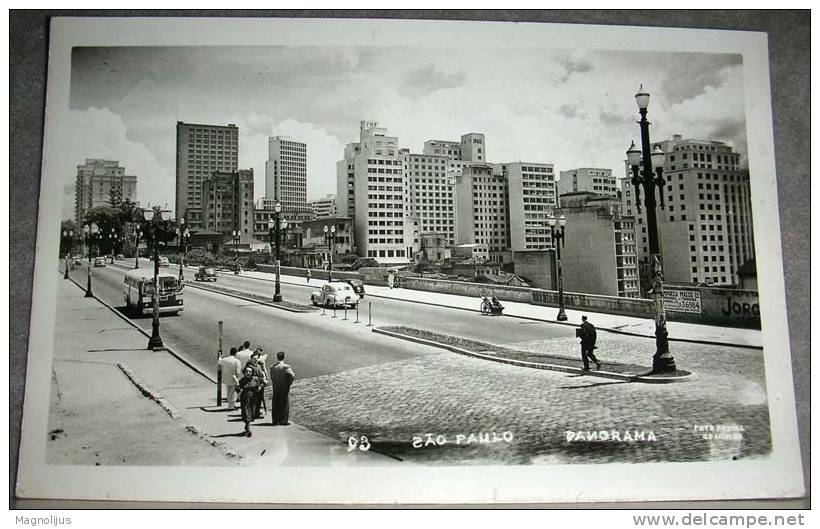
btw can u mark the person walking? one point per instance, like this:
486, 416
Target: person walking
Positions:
281, 378
244, 353
308, 275
588, 338
231, 373
248, 388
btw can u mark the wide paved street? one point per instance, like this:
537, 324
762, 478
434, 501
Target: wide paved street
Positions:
352, 382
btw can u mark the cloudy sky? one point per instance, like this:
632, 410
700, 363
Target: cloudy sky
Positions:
562, 107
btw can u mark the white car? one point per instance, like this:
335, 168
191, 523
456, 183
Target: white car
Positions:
335, 294
163, 261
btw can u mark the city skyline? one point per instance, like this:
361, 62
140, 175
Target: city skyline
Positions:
127, 101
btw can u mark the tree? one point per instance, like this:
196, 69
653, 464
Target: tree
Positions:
107, 219
68, 243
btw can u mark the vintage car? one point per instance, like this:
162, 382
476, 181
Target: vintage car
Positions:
205, 273
99, 261
163, 261
357, 285
335, 294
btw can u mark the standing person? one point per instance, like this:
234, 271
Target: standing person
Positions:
308, 275
231, 373
588, 337
248, 387
281, 377
244, 353
258, 365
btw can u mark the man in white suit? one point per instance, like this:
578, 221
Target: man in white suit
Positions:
231, 373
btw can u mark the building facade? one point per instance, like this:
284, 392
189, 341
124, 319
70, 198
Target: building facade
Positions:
370, 190
324, 207
265, 210
428, 193
101, 183
227, 203
705, 229
599, 253
590, 179
531, 198
201, 150
481, 213
286, 173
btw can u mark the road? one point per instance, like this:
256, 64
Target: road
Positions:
351, 382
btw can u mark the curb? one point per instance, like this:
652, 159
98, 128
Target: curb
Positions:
534, 365
170, 410
145, 333
532, 318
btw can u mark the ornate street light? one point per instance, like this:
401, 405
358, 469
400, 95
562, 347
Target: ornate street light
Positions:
183, 234
237, 235
558, 238
68, 236
112, 238
330, 240
153, 226
276, 226
662, 361
90, 232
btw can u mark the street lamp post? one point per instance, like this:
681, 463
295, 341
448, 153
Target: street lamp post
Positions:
90, 232
137, 239
153, 226
330, 240
276, 226
113, 239
662, 361
236, 237
558, 238
183, 234
68, 236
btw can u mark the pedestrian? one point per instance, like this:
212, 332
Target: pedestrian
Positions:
248, 388
231, 373
588, 337
258, 366
244, 353
281, 378
308, 275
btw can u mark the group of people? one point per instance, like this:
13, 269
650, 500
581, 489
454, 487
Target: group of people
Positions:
245, 373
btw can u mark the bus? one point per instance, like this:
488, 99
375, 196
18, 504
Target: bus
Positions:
138, 288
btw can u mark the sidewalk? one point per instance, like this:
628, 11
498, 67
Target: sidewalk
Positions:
678, 331
115, 402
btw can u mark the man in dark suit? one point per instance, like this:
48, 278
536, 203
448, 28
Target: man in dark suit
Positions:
588, 337
281, 377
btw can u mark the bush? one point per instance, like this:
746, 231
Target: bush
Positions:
201, 257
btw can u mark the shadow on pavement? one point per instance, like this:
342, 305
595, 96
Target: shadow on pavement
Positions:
209, 410
238, 434
596, 384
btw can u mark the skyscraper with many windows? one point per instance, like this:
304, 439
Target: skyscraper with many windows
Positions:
286, 173
101, 183
201, 150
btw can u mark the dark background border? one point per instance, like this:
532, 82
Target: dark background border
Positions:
789, 35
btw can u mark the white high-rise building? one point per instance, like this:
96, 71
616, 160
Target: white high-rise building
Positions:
705, 229
286, 173
101, 183
531, 198
324, 207
588, 179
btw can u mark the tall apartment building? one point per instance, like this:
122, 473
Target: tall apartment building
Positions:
593, 180
471, 148
324, 207
599, 255
227, 203
428, 190
370, 190
101, 183
286, 173
201, 150
705, 230
531, 197
481, 211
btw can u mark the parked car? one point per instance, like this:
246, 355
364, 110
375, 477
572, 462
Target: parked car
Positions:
364, 261
99, 261
334, 294
205, 274
163, 261
120, 257
357, 285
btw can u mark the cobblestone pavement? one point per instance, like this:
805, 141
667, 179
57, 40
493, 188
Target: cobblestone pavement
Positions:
450, 397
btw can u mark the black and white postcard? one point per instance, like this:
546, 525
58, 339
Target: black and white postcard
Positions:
407, 261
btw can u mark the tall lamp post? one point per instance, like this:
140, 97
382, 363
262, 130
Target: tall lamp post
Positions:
236, 237
330, 240
68, 236
153, 226
90, 232
558, 238
276, 226
113, 240
662, 361
183, 234
137, 238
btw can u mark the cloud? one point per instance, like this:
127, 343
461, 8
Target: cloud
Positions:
100, 133
574, 64
428, 79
